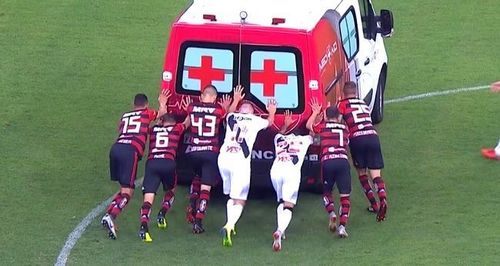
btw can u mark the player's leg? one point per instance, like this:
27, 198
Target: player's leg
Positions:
194, 189
149, 187
343, 180
358, 154
225, 162
328, 171
125, 160
375, 163
240, 185
290, 192
209, 178
169, 181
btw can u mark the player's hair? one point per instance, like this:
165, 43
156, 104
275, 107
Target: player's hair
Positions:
209, 90
350, 88
332, 112
140, 99
168, 118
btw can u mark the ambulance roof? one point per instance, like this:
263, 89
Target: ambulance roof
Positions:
298, 14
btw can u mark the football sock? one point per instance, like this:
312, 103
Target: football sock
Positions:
117, 209
233, 213
202, 204
380, 185
345, 208
145, 212
497, 149
328, 202
168, 200
115, 200
284, 218
194, 192
363, 179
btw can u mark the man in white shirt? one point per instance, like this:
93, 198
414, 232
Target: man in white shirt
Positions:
234, 158
285, 175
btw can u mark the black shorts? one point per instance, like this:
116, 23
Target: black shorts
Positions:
336, 171
159, 171
205, 166
123, 160
366, 152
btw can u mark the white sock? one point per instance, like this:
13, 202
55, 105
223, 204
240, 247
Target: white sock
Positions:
233, 213
279, 211
284, 218
497, 149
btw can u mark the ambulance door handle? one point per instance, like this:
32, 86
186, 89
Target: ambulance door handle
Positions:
367, 61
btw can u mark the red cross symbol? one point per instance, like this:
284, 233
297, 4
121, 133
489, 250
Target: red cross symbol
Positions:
206, 73
269, 77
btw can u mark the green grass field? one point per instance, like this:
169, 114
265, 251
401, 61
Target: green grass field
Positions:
69, 68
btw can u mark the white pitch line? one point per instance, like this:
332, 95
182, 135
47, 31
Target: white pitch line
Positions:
435, 93
82, 226
80, 229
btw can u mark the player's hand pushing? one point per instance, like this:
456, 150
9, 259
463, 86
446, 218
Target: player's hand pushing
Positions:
238, 94
315, 106
271, 106
225, 101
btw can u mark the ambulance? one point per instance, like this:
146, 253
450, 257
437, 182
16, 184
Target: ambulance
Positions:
289, 50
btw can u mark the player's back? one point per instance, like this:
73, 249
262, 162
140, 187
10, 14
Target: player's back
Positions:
163, 141
241, 132
334, 140
291, 148
134, 126
357, 116
205, 121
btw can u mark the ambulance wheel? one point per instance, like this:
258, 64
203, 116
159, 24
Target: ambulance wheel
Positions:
378, 107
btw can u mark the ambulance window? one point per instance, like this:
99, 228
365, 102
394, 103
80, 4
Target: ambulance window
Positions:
368, 19
276, 73
349, 34
203, 64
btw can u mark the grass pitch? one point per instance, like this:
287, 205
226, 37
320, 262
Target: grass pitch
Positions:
69, 68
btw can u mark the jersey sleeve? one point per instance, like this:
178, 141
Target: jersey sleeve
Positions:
341, 107
317, 128
261, 122
307, 139
180, 127
152, 114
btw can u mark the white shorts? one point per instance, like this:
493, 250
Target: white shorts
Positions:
235, 174
286, 181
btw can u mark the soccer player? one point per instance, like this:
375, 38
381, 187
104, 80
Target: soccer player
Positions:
334, 163
365, 147
126, 153
493, 153
285, 175
160, 168
234, 159
204, 119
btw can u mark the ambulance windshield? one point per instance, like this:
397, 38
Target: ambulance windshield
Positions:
265, 71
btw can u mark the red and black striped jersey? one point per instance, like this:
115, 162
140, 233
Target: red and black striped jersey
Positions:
206, 119
163, 141
134, 127
334, 140
357, 116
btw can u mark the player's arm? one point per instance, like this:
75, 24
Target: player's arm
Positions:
271, 109
238, 95
315, 117
162, 102
287, 121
